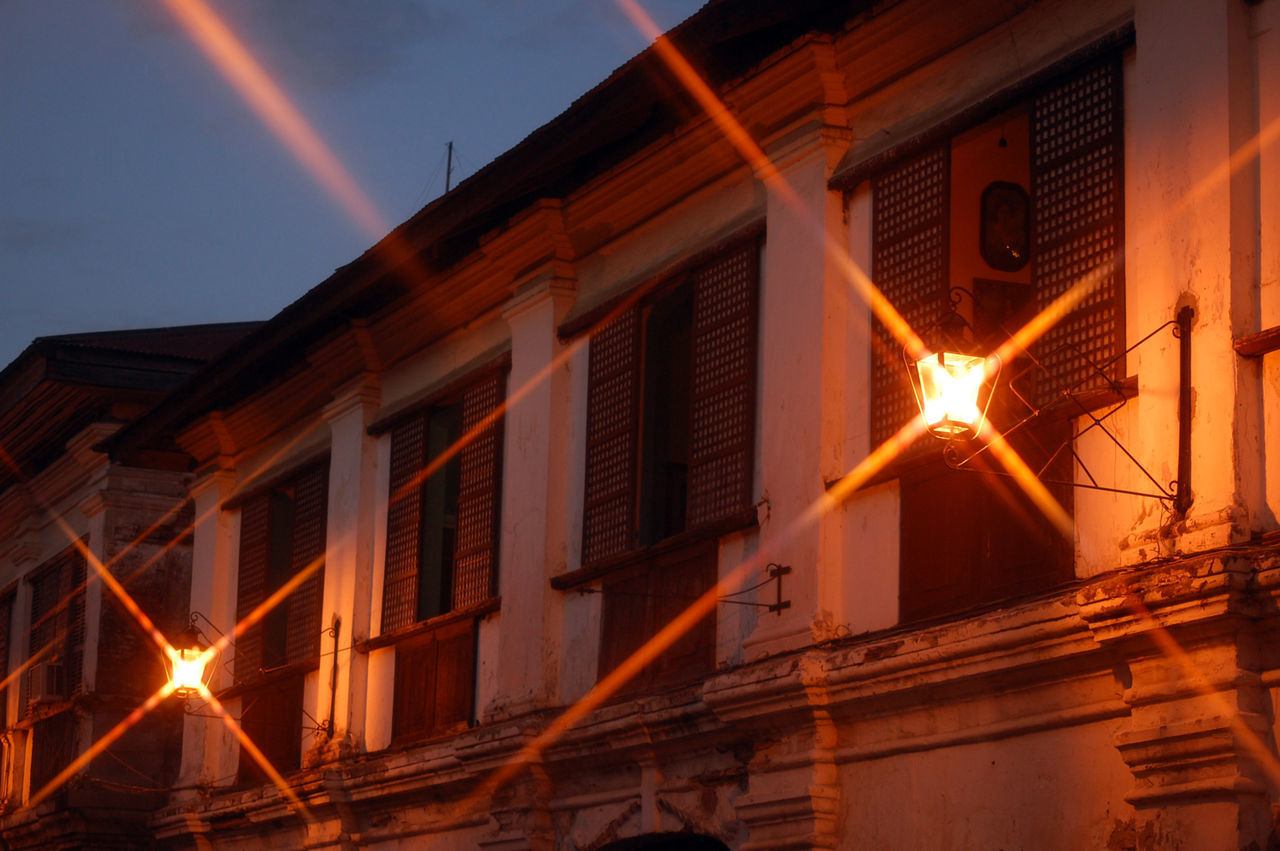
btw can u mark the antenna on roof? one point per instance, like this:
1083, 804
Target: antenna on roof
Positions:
448, 168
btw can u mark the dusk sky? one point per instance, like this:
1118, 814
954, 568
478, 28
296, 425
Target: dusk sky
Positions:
138, 189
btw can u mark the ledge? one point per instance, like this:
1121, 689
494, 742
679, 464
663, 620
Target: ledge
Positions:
484, 607
269, 679
744, 519
1259, 344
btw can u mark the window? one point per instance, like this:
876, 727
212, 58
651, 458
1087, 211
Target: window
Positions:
953, 217
56, 639
57, 632
282, 532
442, 539
670, 448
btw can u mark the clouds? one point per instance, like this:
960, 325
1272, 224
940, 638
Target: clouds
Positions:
25, 235
136, 188
336, 43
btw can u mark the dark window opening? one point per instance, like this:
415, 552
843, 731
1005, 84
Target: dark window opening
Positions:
439, 513
664, 450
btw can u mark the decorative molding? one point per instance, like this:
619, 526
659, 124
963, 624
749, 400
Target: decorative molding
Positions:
532, 245
364, 395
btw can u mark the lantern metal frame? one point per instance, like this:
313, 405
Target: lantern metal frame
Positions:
951, 429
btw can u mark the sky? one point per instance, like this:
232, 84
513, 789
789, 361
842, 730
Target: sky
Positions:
138, 189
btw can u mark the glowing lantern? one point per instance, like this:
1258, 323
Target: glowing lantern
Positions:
950, 393
189, 668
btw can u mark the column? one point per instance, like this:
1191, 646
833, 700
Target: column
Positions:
209, 751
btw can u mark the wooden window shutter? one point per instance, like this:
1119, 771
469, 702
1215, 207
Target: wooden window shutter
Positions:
909, 234
306, 602
413, 708
251, 583
58, 615
475, 551
435, 681
271, 717
404, 517
1077, 192
73, 581
722, 431
608, 522
455, 674
44, 590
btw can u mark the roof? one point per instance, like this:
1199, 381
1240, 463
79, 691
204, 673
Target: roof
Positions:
60, 384
634, 107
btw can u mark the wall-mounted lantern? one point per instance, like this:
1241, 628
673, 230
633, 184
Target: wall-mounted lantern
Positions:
953, 392
188, 663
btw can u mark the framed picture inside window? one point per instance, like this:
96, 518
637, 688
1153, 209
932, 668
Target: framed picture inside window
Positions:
1005, 235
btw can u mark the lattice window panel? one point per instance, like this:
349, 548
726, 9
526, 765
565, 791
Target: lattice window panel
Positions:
475, 550
58, 616
1077, 194
251, 584
909, 265
724, 382
404, 517
73, 590
612, 418
311, 495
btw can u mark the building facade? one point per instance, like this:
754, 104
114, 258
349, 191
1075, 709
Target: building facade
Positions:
588, 509
74, 661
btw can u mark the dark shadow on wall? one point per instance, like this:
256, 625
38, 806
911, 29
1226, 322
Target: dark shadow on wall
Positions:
666, 842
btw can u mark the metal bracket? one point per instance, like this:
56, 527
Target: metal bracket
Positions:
776, 572
1178, 492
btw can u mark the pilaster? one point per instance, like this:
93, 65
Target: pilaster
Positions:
348, 570
534, 537
793, 796
1198, 735
208, 748
803, 306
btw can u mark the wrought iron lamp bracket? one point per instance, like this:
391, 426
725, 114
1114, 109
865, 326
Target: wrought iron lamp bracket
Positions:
326, 726
1071, 402
775, 573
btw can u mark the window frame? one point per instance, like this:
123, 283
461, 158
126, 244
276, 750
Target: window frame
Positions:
615, 315
272, 696
923, 461
724, 329
451, 634
68, 573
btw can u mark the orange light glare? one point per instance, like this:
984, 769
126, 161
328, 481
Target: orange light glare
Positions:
949, 396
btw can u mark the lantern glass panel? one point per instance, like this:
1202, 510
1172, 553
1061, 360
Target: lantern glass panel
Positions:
950, 386
187, 669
